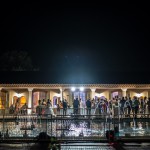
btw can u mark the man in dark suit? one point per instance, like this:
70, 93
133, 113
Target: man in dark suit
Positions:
76, 105
88, 106
64, 107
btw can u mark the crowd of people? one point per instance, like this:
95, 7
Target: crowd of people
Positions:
123, 106
17, 108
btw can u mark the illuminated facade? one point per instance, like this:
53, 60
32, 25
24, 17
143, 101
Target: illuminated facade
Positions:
31, 93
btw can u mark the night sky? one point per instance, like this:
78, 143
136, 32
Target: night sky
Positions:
80, 42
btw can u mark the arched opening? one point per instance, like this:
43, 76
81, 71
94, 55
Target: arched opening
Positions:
15, 98
22, 101
39, 95
2, 100
55, 101
114, 94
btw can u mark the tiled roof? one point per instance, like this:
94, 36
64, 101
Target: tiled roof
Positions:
118, 86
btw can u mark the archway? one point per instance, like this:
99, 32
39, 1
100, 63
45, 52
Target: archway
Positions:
15, 98
55, 101
22, 101
114, 94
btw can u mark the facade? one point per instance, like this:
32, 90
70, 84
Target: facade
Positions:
32, 93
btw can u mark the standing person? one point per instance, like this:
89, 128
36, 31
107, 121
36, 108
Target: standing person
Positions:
48, 101
129, 106
76, 105
12, 109
24, 109
143, 105
93, 104
39, 108
17, 106
64, 107
122, 102
88, 106
136, 104
58, 109
100, 107
43, 102
148, 105
81, 107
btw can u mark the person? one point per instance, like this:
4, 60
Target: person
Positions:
93, 104
76, 105
81, 107
135, 105
17, 106
12, 109
100, 107
148, 105
88, 106
129, 106
49, 110
122, 104
39, 108
58, 109
24, 109
64, 107
43, 102
48, 101
143, 105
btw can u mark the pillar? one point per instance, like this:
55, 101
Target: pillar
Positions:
0, 93
93, 93
148, 93
0, 100
30, 100
61, 94
124, 94
109, 95
48, 94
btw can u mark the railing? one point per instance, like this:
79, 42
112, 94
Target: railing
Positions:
74, 126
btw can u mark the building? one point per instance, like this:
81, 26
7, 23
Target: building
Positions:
31, 93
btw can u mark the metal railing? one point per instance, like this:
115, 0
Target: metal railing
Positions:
73, 126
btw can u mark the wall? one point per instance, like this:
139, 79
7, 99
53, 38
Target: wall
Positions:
132, 94
52, 94
13, 93
105, 94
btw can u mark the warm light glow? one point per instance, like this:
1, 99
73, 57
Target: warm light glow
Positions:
22, 100
73, 89
18, 95
93, 90
57, 94
99, 94
138, 95
81, 89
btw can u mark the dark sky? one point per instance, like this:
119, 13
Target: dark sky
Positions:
80, 38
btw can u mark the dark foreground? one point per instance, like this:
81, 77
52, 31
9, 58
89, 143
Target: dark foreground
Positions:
78, 146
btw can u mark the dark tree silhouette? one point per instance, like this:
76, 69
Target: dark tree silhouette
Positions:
16, 61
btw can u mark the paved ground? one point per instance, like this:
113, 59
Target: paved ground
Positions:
78, 146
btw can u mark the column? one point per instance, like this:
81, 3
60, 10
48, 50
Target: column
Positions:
0, 101
124, 94
148, 93
30, 100
61, 94
93, 93
0, 93
48, 94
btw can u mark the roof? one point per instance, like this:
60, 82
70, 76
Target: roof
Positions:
101, 86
